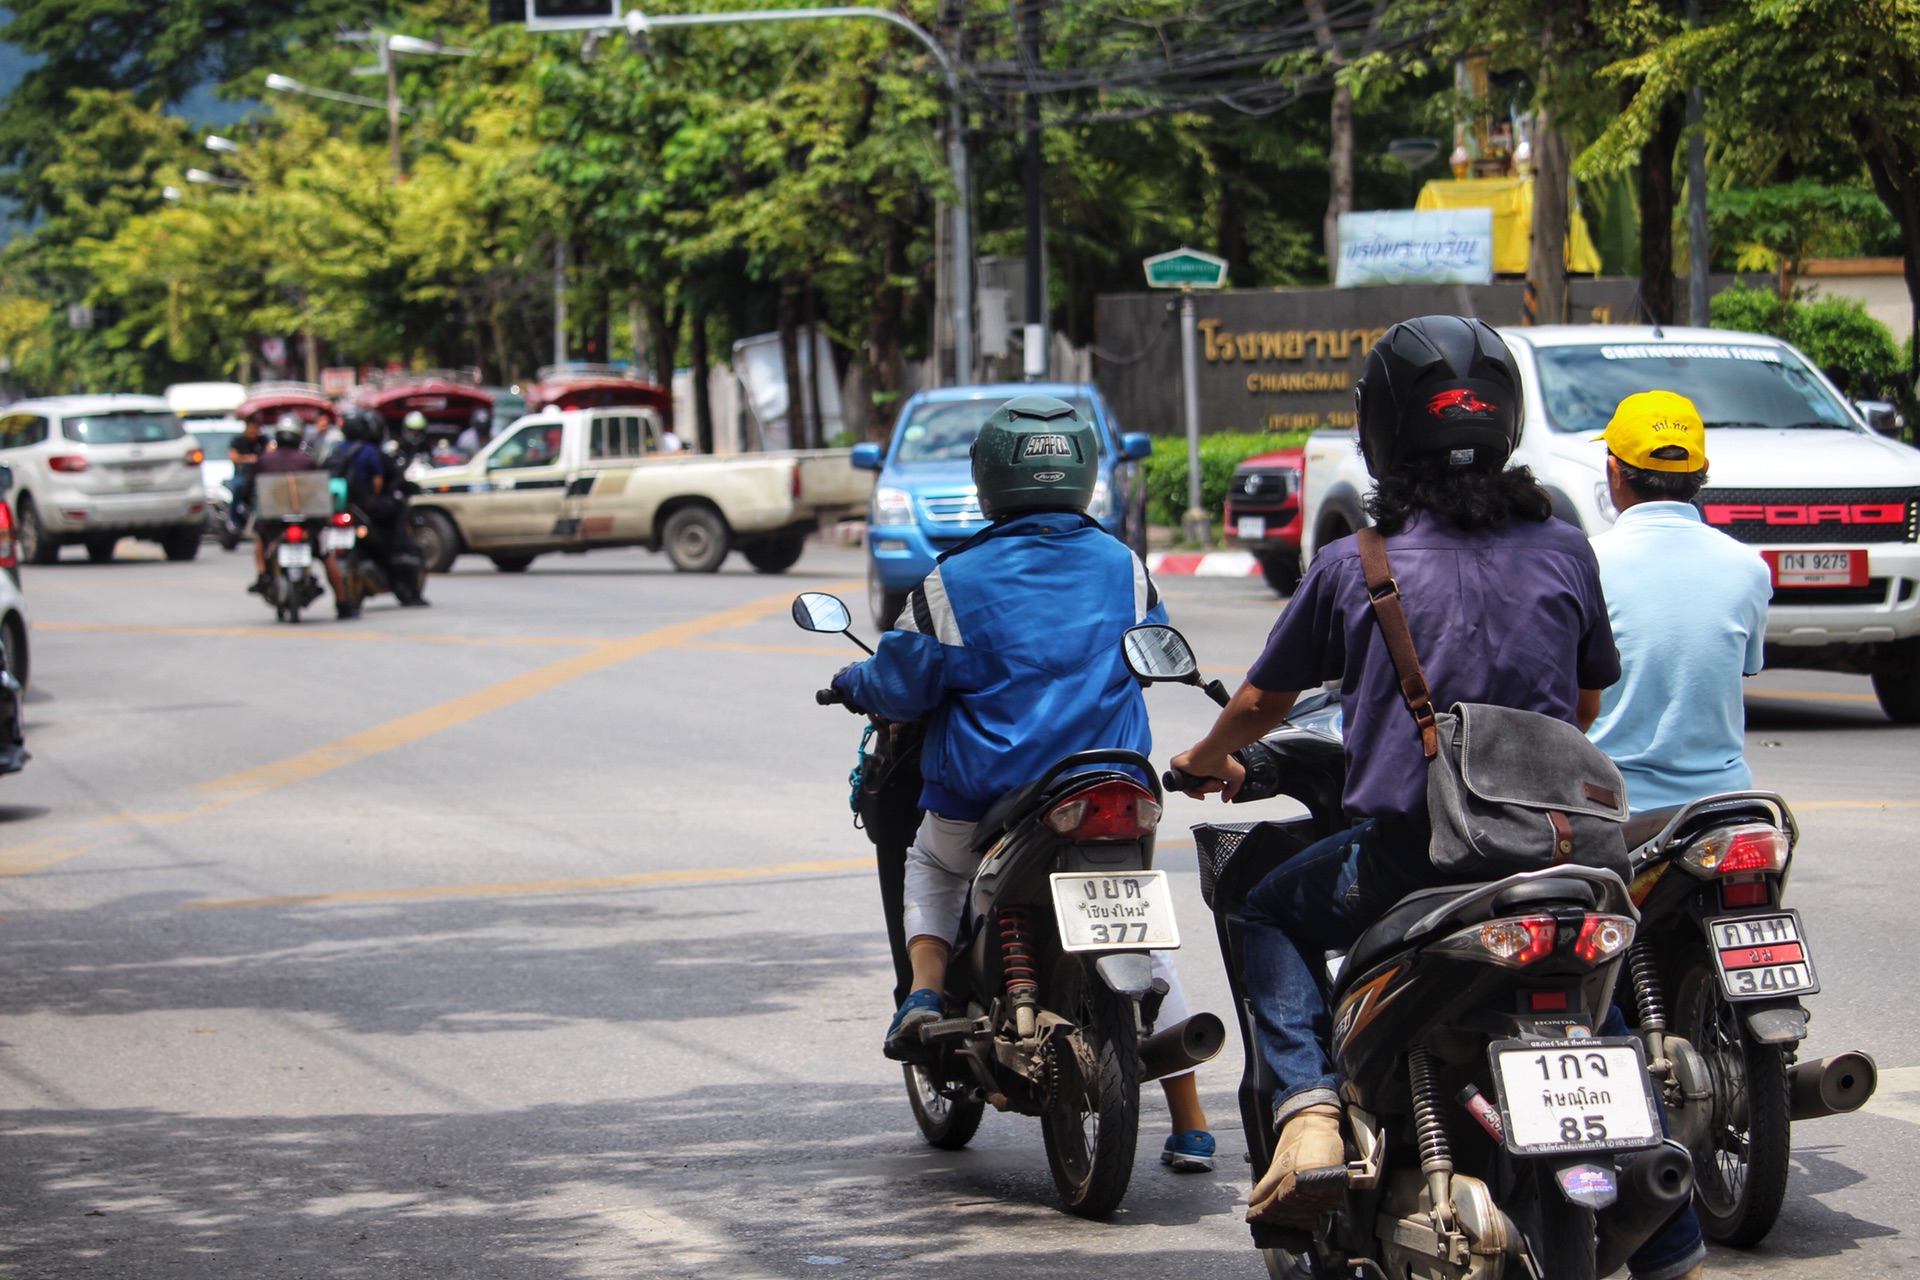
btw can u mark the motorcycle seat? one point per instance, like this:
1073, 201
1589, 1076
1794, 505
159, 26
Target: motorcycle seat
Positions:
1022, 800
1389, 931
1648, 823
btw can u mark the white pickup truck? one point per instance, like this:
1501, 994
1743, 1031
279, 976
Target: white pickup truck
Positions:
572, 480
1794, 472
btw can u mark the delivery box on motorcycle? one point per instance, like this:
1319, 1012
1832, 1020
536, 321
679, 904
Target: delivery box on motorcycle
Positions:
293, 493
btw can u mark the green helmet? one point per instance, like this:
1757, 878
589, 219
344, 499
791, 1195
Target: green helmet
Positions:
1035, 452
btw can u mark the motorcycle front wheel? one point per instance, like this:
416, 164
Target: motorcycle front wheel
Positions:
1095, 1122
1740, 1167
944, 1122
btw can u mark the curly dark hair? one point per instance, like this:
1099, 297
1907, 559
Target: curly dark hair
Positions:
1466, 497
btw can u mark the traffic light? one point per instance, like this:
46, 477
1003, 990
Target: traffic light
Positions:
556, 15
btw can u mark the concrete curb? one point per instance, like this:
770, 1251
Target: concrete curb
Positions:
1202, 564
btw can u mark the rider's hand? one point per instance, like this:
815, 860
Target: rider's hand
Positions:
1223, 774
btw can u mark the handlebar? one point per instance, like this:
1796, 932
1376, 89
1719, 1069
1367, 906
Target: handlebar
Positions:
828, 697
1181, 780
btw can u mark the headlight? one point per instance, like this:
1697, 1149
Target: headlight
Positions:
892, 506
1603, 498
1100, 506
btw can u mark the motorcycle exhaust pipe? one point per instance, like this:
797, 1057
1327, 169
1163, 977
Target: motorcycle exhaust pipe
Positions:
1832, 1086
1181, 1047
1653, 1186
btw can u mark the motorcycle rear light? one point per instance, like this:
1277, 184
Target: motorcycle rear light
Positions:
1602, 938
1546, 1001
1106, 811
296, 533
1745, 891
1514, 941
1722, 851
67, 462
342, 518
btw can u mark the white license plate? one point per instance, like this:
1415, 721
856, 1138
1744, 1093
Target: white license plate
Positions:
295, 555
1819, 568
1762, 957
1129, 910
335, 540
1251, 526
1568, 1096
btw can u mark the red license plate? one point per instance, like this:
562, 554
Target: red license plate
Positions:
1818, 568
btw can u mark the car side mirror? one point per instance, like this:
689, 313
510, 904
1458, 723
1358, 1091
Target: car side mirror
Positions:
1136, 445
818, 611
1159, 653
1882, 416
867, 456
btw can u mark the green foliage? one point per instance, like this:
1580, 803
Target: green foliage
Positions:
1837, 334
1755, 229
1220, 453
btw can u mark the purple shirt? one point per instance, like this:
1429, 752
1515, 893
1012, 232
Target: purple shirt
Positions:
1513, 617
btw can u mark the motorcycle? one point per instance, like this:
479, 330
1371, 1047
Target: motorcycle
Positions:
1050, 990
293, 582
231, 517
363, 572
1491, 1132
1718, 972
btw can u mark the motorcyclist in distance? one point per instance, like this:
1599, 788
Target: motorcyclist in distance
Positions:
287, 455
1504, 605
1010, 649
377, 487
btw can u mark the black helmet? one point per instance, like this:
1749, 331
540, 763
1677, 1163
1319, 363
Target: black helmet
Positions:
1034, 453
1438, 385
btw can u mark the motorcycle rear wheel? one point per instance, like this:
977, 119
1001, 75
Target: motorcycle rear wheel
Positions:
1567, 1242
944, 1123
1092, 1130
1741, 1167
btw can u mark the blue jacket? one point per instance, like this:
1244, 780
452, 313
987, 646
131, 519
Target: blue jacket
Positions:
1011, 650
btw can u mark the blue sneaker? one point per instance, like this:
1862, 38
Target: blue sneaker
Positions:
1189, 1152
903, 1040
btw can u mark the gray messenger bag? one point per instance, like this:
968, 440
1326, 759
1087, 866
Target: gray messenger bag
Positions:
1506, 789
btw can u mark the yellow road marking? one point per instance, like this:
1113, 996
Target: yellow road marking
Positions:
506, 888
731, 646
1819, 695
317, 633
23, 858
411, 728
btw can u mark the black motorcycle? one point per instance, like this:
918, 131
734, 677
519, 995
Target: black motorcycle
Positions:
293, 566
1050, 990
373, 563
1491, 1133
1719, 969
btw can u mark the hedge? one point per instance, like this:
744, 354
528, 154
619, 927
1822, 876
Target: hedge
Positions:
1220, 453
1850, 346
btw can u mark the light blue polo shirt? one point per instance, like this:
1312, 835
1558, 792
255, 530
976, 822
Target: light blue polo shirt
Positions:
1688, 606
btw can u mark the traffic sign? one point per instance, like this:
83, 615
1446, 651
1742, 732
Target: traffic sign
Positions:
1186, 269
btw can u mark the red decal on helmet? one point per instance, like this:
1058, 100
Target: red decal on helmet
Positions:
1460, 403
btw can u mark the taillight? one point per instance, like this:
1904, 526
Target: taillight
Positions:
343, 517
1603, 938
1726, 850
296, 533
6, 537
1515, 941
796, 480
194, 458
1745, 891
67, 462
1111, 810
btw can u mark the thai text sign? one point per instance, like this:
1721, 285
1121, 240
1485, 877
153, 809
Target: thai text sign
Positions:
1404, 246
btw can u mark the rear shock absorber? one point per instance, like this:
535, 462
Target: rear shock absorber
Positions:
1436, 1155
1017, 967
1649, 1003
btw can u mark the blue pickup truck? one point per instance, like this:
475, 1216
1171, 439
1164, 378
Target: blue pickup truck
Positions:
924, 501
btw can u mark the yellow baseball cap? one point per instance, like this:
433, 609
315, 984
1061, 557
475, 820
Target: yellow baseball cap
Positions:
1650, 420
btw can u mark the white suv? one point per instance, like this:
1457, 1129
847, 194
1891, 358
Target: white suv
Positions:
95, 469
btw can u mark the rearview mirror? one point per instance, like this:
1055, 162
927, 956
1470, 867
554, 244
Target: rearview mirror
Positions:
1156, 652
1883, 416
818, 611
866, 456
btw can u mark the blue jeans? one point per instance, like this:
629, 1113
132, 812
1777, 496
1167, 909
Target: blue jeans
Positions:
1322, 899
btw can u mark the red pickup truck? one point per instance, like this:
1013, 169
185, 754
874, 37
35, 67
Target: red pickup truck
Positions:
1263, 514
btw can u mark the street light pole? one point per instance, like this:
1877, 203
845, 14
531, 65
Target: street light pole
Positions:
637, 22
393, 112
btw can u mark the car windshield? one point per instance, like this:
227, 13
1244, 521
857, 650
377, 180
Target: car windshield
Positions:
131, 426
1733, 385
943, 430
215, 443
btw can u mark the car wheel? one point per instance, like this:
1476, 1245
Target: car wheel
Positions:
775, 555
37, 546
1896, 682
882, 604
13, 649
438, 539
695, 539
511, 564
1281, 570
182, 543
100, 549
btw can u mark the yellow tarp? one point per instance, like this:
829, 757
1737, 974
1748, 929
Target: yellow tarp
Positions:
1511, 200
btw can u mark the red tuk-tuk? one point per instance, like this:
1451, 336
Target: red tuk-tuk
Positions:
450, 401
593, 386
267, 401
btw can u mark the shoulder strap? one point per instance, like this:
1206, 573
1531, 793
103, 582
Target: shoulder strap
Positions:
1384, 594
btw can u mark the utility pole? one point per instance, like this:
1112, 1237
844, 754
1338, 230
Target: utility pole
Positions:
1035, 362
560, 300
1697, 309
393, 112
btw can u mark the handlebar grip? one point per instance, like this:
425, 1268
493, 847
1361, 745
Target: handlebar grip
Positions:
1181, 780
828, 697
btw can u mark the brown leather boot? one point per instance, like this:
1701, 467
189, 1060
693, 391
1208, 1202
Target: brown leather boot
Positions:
1310, 1151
